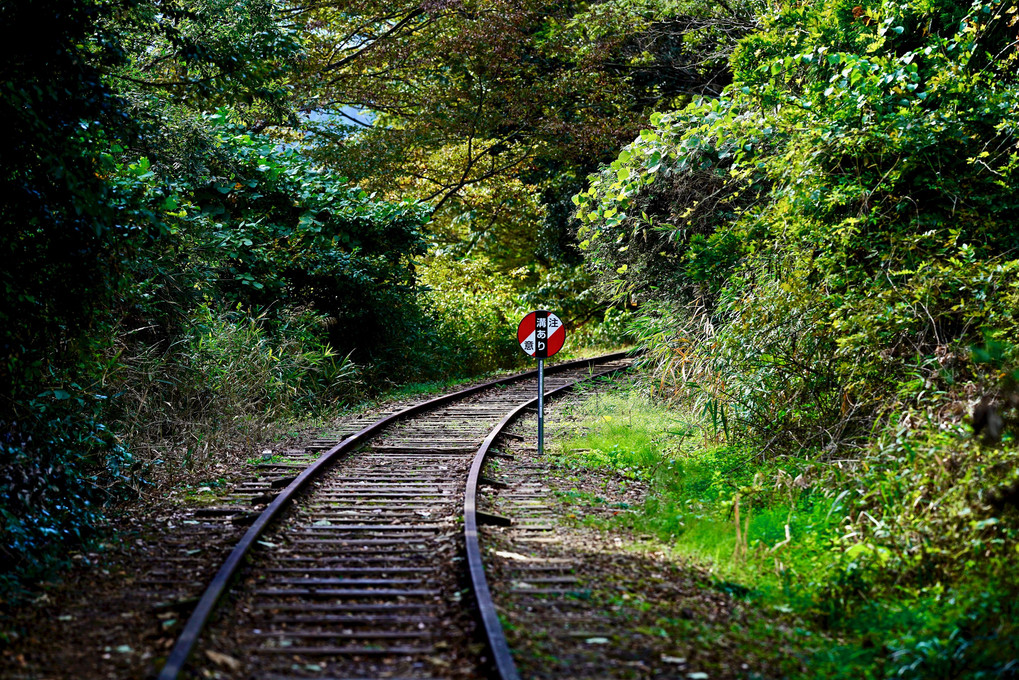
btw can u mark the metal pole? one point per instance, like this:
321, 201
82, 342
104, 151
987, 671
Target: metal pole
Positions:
541, 406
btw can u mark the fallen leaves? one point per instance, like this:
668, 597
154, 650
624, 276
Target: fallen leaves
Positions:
223, 660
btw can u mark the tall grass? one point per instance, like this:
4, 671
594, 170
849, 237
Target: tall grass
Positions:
226, 380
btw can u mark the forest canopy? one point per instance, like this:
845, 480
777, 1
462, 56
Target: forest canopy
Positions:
221, 215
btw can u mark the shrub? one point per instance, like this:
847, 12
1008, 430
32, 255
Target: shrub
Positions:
475, 310
834, 231
59, 466
233, 375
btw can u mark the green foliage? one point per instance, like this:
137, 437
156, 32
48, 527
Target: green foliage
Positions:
59, 465
217, 52
61, 240
269, 278
825, 259
611, 328
172, 277
842, 217
476, 312
59, 228
230, 377
492, 111
906, 558
264, 227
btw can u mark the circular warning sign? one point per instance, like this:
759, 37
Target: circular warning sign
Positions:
541, 334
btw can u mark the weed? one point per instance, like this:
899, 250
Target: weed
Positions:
905, 555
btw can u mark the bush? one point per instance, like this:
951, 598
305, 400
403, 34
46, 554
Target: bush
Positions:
476, 312
58, 468
835, 230
126, 328
230, 378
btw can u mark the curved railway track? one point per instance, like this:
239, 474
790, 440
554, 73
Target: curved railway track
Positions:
357, 568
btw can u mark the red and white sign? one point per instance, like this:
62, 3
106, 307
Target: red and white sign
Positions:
541, 334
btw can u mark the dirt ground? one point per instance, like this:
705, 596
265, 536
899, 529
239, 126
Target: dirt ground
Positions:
580, 598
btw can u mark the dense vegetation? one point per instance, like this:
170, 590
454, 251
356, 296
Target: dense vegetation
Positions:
841, 218
222, 214
196, 246
169, 276
825, 259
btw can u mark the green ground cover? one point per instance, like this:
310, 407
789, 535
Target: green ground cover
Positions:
900, 563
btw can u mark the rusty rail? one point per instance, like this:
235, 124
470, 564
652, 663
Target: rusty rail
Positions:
188, 638
496, 639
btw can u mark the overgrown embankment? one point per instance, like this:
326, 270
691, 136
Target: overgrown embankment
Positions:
174, 280
825, 262
897, 564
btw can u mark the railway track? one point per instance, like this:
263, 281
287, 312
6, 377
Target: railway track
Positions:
365, 561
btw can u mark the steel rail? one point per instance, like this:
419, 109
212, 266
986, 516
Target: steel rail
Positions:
494, 635
188, 638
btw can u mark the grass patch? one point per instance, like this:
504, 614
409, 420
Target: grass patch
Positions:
900, 558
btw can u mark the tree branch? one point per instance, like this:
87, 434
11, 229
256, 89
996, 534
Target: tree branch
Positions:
374, 43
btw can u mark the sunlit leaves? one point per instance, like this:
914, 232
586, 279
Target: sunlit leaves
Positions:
475, 99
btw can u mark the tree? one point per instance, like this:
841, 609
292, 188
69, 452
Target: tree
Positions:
842, 216
139, 224
487, 95
57, 225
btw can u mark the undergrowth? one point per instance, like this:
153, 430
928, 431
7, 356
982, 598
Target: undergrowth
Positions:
903, 557
230, 378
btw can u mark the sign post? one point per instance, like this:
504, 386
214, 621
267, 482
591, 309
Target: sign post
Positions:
541, 334
541, 406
